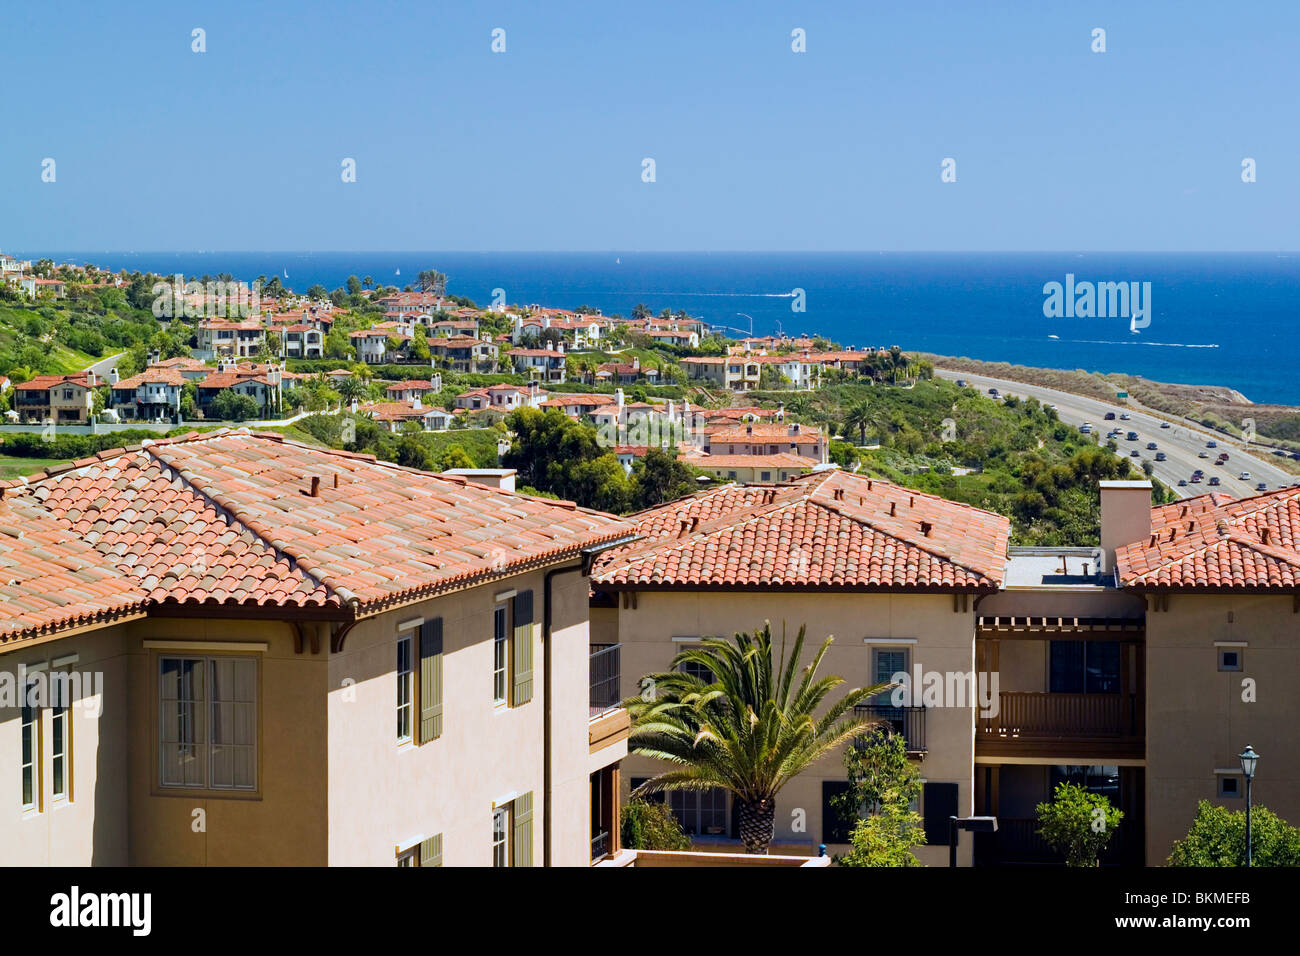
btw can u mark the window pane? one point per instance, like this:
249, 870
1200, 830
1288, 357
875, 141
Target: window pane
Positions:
1067, 667
1103, 667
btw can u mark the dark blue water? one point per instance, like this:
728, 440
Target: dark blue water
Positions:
1220, 319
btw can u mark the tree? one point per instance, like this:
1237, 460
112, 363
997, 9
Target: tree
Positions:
420, 344
858, 417
232, 406
352, 388
318, 292
886, 838
651, 826
751, 731
1078, 824
337, 344
431, 280
660, 477
882, 785
1218, 838
453, 456
354, 285
412, 453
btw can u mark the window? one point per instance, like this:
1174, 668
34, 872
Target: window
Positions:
405, 695
885, 663
1229, 786
1101, 780
500, 653
501, 836
31, 737
410, 858
766, 476
1230, 659
207, 722
1085, 667
696, 670
60, 746
835, 829
700, 811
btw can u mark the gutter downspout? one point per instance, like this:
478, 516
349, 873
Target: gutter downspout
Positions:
588, 556
546, 705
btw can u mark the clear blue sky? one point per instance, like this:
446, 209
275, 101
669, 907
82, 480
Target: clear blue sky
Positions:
757, 148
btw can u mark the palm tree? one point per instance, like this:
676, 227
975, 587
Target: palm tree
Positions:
751, 730
858, 417
352, 388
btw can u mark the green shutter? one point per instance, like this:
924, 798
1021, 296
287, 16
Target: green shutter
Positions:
522, 692
431, 851
522, 813
431, 680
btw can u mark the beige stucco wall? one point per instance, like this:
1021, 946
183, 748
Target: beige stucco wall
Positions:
284, 822
90, 827
1197, 721
945, 642
383, 794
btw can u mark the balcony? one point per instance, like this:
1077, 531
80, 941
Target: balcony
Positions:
609, 722
1063, 725
907, 721
605, 677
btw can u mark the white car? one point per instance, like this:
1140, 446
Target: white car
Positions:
1244, 476
1164, 424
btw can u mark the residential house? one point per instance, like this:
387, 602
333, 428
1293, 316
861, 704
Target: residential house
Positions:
464, 353
546, 365
772, 439
190, 642
393, 415
302, 340
371, 345
754, 469
222, 338
152, 395
730, 372
61, 399
416, 388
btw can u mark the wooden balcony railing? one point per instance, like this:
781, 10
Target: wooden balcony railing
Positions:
1042, 715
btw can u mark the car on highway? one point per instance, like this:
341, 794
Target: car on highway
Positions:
1211, 444
1182, 482
1295, 456
1164, 424
961, 383
1086, 428
1134, 453
1214, 479
1244, 476
993, 392
1160, 456
1123, 416
1262, 486
1223, 456
1197, 473
1151, 446
1279, 452
1110, 416
1132, 436
1195, 479
1202, 454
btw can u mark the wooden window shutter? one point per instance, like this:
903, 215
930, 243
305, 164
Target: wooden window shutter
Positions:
521, 812
522, 665
940, 803
431, 680
431, 851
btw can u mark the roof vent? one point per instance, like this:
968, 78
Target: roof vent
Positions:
1263, 535
315, 487
893, 508
925, 528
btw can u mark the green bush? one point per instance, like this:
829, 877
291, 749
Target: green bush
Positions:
651, 826
1078, 824
1218, 838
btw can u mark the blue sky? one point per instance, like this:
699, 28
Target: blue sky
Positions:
756, 147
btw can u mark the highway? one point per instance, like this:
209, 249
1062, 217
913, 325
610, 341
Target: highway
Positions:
1183, 442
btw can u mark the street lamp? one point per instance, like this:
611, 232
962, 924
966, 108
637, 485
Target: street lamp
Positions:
973, 824
1248, 759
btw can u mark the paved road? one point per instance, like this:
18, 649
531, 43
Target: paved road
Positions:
1182, 442
102, 367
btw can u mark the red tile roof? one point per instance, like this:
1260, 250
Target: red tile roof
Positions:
830, 529
227, 518
1215, 542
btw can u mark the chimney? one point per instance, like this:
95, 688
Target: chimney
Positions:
90, 378
636, 361
416, 405
113, 376
1125, 517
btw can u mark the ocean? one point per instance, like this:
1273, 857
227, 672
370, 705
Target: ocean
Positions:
1215, 319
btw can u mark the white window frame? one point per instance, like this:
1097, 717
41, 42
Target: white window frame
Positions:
30, 734
60, 726
501, 654
501, 835
405, 690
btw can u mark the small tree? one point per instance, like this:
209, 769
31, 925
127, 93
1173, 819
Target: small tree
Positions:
651, 826
1218, 838
234, 407
1078, 824
886, 838
882, 785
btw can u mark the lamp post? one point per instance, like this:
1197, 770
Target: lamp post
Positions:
974, 825
1248, 759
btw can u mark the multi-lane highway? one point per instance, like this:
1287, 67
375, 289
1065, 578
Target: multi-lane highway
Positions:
1182, 442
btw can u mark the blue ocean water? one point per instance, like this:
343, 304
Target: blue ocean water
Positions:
1219, 319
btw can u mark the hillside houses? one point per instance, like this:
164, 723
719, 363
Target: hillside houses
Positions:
464, 353
546, 365
62, 399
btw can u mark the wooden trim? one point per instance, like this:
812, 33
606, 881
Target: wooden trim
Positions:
607, 729
252, 647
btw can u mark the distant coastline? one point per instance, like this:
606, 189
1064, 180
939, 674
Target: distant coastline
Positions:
1217, 320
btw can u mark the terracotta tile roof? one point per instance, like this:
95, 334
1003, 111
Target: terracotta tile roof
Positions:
50, 579
227, 518
154, 376
782, 460
830, 529
43, 383
421, 384
399, 411
1216, 542
769, 434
